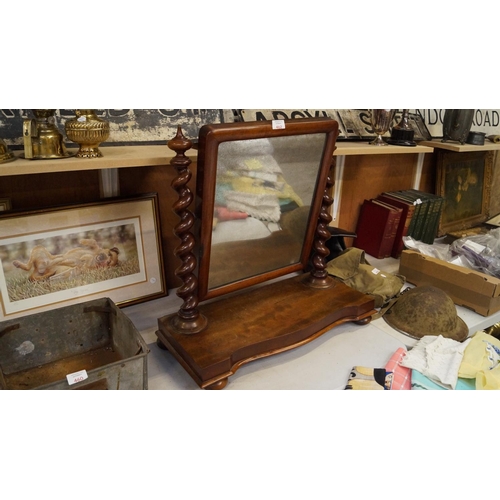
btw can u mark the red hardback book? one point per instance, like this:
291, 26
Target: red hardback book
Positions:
376, 228
408, 209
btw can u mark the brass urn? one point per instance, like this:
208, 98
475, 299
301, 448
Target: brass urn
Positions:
5, 153
88, 131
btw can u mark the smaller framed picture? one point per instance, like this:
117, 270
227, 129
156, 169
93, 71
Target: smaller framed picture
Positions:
5, 204
60, 256
464, 180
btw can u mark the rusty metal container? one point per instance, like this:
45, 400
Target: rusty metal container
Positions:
92, 345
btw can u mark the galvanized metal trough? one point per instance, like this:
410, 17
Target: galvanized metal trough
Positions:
92, 345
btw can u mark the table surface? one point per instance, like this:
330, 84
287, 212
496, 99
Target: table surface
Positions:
324, 363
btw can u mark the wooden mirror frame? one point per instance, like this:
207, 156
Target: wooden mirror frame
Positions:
213, 340
210, 138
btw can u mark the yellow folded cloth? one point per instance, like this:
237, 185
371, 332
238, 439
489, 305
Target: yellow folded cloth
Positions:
481, 360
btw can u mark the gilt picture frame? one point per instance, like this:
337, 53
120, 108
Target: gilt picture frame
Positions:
464, 180
66, 255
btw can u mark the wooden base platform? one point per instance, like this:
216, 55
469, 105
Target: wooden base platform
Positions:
261, 322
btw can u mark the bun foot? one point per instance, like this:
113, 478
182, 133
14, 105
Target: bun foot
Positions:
218, 385
364, 321
161, 345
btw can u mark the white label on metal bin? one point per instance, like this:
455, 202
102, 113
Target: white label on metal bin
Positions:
74, 378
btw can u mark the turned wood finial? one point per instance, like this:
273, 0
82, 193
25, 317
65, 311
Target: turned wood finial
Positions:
188, 319
319, 277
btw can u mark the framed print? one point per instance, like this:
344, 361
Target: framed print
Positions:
60, 256
464, 180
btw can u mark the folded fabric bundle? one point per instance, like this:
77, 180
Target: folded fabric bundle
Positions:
401, 376
261, 163
260, 206
230, 152
367, 379
263, 176
420, 382
221, 188
481, 361
257, 186
438, 358
239, 230
352, 268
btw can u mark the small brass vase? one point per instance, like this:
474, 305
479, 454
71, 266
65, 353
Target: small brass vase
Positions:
5, 153
88, 131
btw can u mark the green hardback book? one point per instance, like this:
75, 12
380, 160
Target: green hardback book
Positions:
433, 216
421, 219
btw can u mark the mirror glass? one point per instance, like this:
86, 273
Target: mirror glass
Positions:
264, 191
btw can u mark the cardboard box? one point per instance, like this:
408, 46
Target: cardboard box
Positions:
472, 289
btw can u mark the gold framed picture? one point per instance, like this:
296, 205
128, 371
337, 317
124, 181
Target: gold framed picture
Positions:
61, 256
464, 180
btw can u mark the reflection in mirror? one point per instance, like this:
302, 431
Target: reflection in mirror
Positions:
264, 190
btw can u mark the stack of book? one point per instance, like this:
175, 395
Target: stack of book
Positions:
385, 220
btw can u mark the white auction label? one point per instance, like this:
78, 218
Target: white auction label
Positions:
278, 124
74, 378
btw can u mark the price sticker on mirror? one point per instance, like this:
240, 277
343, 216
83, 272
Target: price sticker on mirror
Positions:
278, 124
74, 378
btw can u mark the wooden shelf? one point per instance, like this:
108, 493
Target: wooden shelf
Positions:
345, 148
143, 156
461, 148
114, 157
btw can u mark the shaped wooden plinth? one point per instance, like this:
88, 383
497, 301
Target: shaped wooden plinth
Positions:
261, 322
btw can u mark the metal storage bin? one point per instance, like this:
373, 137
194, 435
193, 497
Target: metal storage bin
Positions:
39, 351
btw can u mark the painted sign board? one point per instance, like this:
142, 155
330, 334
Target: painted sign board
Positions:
157, 126
127, 126
355, 123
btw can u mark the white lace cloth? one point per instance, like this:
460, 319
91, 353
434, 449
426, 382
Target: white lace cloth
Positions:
437, 358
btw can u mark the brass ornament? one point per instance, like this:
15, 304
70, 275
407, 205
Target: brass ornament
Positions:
5, 153
88, 131
42, 139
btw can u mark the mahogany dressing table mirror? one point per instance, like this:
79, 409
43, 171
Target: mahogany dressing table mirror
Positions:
260, 220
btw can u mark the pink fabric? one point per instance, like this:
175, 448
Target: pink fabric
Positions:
223, 214
401, 378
